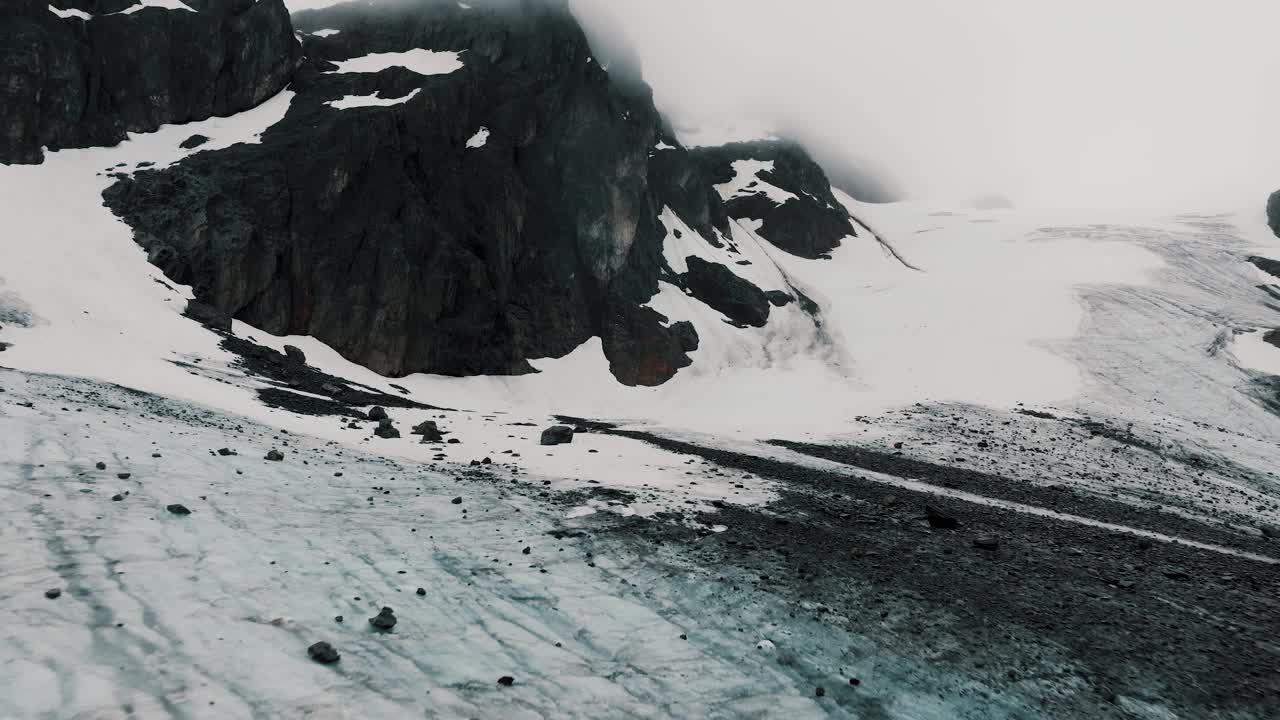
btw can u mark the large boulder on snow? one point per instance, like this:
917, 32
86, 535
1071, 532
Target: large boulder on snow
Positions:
79, 73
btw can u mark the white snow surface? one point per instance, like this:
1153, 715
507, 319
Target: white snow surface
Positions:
327, 32
418, 60
479, 139
361, 101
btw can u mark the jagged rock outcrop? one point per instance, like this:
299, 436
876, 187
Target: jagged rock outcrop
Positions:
381, 232
499, 206
810, 223
78, 73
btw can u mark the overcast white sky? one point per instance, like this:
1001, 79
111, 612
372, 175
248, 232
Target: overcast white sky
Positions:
1152, 103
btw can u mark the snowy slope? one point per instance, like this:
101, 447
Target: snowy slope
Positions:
1104, 378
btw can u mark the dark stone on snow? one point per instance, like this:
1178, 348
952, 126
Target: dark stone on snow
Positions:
117, 497
178, 509
124, 475
385, 429
819, 691
194, 141
274, 455
429, 431
53, 593
778, 298
295, 355
557, 435
209, 316
686, 335
422, 591
940, 520
100, 465
75, 83
458, 500
718, 286
506, 681
384, 620
323, 653
224, 452
377, 412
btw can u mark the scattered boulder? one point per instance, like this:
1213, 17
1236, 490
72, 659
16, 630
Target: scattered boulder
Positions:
940, 520
224, 452
208, 316
53, 593
194, 141
295, 355
274, 455
117, 497
686, 335
456, 501
429, 431
384, 620
386, 430
124, 475
377, 412
557, 435
101, 466
323, 653
178, 509
506, 681
421, 592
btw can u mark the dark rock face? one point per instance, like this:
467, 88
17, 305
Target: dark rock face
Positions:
809, 225
718, 286
643, 350
71, 82
379, 232
209, 316
1273, 212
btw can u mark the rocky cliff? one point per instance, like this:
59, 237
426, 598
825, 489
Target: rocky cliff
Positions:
78, 73
460, 189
